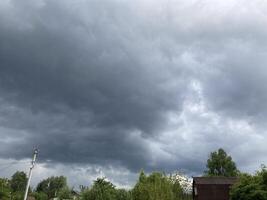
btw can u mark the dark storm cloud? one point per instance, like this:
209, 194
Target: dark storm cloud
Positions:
79, 87
141, 84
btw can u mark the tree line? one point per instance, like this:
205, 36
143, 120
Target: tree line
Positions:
153, 186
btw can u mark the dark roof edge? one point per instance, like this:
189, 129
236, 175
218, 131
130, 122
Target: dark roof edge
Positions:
215, 180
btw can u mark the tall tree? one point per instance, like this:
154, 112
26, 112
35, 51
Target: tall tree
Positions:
101, 190
52, 185
221, 164
156, 186
18, 181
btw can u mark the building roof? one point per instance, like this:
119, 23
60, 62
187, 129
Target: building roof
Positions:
215, 180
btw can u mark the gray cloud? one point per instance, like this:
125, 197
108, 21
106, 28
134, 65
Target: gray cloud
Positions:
154, 85
82, 87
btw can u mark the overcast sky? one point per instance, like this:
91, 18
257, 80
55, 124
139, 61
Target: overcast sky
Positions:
109, 87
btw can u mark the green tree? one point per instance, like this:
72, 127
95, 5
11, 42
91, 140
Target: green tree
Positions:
101, 190
18, 182
251, 187
40, 196
5, 189
122, 194
52, 185
17, 195
64, 193
220, 164
156, 186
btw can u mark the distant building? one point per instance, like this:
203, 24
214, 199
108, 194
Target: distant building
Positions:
212, 188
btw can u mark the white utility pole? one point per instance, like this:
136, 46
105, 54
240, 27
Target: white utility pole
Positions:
30, 173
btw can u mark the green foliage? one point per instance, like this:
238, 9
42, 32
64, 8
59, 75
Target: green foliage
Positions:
4, 195
52, 185
17, 195
64, 193
177, 190
18, 182
251, 187
101, 190
220, 164
40, 196
156, 186
5, 189
123, 194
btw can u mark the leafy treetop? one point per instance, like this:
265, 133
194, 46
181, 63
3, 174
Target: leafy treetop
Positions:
220, 164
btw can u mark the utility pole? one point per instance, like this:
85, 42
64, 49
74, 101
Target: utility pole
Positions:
30, 173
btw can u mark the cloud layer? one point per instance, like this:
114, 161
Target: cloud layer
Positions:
130, 85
